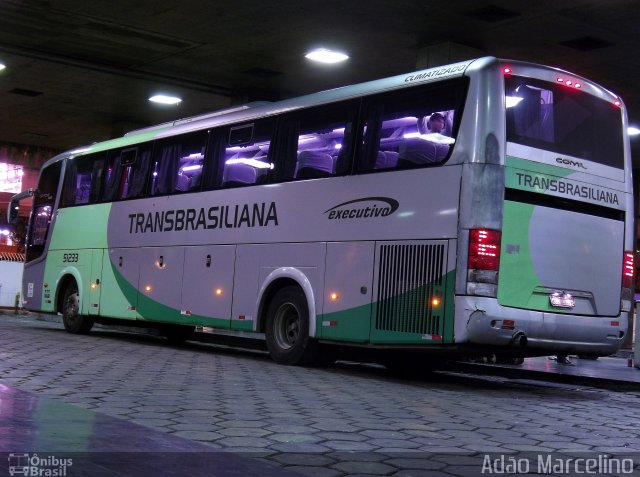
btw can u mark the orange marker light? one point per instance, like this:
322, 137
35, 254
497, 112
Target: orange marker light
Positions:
435, 302
93, 285
219, 291
147, 288
334, 296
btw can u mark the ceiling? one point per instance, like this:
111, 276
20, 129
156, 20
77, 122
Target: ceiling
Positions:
80, 71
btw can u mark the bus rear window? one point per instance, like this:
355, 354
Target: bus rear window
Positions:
564, 120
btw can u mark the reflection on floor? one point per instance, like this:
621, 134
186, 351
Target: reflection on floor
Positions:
50, 435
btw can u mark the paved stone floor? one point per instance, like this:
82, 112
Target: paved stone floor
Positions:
344, 420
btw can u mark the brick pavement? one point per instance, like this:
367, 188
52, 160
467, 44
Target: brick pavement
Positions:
345, 420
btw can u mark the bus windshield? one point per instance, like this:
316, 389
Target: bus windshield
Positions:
566, 121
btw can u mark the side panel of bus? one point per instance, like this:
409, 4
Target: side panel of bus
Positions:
207, 289
346, 314
119, 295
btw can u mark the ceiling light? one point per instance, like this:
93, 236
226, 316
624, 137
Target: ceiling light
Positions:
633, 131
163, 99
2, 66
326, 56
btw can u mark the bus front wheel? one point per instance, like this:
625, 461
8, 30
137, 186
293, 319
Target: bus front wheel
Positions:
287, 330
73, 321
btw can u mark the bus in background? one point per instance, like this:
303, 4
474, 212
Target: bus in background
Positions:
480, 207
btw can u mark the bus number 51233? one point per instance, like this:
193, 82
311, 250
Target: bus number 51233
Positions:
70, 258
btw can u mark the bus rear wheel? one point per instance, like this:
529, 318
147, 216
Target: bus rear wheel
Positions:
287, 330
73, 321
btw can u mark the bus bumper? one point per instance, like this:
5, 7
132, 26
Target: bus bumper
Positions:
483, 321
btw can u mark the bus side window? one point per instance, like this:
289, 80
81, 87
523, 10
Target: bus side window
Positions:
82, 180
177, 164
125, 172
245, 158
317, 142
411, 128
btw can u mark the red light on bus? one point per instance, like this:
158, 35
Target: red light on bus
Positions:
484, 249
569, 83
628, 270
507, 70
508, 324
617, 102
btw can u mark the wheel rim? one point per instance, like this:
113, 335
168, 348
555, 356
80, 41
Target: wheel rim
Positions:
286, 326
72, 307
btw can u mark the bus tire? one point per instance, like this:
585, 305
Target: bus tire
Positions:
287, 329
72, 320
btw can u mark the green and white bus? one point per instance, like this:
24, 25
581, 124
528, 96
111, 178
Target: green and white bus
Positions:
482, 206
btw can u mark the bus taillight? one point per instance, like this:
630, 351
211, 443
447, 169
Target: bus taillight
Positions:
484, 249
628, 270
484, 262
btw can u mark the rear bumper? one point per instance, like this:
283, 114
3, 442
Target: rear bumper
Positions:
480, 321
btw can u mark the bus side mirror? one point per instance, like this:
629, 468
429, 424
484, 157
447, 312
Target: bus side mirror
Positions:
14, 207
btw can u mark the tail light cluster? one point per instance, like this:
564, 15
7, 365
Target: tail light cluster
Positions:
484, 262
628, 270
628, 273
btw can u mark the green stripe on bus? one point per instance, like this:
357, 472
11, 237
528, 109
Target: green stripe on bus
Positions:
358, 324
151, 310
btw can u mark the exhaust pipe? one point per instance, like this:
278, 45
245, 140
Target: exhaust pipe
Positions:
519, 339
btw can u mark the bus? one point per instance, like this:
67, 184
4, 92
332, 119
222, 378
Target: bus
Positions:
484, 206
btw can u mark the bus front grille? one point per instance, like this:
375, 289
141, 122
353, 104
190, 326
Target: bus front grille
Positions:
410, 289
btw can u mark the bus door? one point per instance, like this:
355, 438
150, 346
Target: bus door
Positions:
119, 285
41, 224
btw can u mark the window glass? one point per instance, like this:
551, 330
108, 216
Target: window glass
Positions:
41, 220
321, 142
564, 120
177, 164
43, 202
83, 179
412, 128
241, 155
125, 172
48, 185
